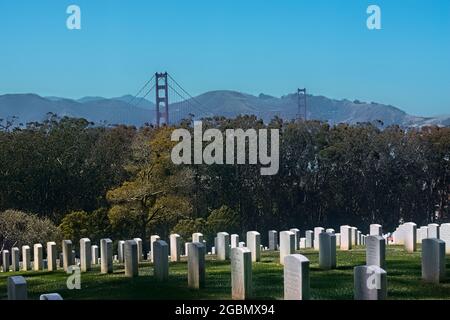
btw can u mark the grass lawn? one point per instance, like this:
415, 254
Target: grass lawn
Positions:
404, 280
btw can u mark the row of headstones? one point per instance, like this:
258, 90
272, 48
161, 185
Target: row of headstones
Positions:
409, 235
433, 260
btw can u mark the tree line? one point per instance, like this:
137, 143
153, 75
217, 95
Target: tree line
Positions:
120, 182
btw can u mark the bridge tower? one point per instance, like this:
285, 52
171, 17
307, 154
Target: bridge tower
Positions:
301, 93
162, 98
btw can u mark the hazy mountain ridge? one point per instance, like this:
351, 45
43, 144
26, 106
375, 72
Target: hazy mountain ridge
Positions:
126, 110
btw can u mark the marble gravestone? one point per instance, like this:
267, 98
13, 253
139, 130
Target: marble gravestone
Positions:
370, 283
50, 297
85, 255
196, 265
197, 237
287, 244
296, 233
153, 239
338, 240
15, 259
433, 260
254, 244
376, 230
317, 232
106, 256
409, 236
296, 277
273, 240
234, 241
309, 239
6, 258
302, 243
346, 238
17, 288
445, 236
353, 232
121, 251
38, 257
51, 256
26, 258
160, 260
223, 246
67, 254
376, 251
94, 254
139, 248
131, 259
175, 247
241, 274
422, 233
330, 230
433, 231
327, 250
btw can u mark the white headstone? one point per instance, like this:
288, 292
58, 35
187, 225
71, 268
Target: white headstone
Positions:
94, 254
409, 236
234, 241
197, 237
50, 297
38, 257
302, 243
433, 260
121, 251
346, 238
445, 236
106, 256
330, 230
153, 239
223, 246
85, 255
254, 244
287, 244
139, 248
175, 247
6, 258
327, 253
296, 277
241, 273
297, 237
273, 240
317, 232
51, 256
376, 251
160, 260
26, 258
370, 283
433, 231
17, 288
353, 232
338, 240
242, 244
131, 259
67, 254
196, 265
376, 230
15, 259
309, 239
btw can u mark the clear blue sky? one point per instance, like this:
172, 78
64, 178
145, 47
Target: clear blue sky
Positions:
252, 46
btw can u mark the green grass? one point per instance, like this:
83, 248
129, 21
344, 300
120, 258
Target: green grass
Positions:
404, 280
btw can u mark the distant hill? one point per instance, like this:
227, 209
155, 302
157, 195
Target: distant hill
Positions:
126, 110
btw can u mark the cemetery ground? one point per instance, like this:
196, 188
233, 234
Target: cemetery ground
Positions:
403, 269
